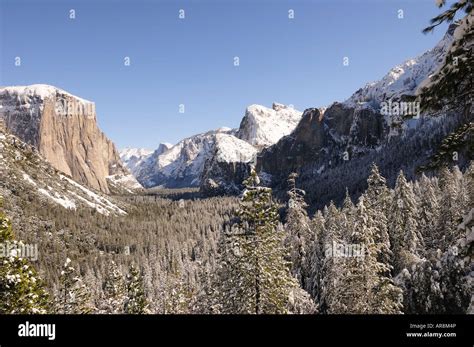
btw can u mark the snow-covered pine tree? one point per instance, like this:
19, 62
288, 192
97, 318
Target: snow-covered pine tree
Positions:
254, 274
136, 302
179, 295
463, 190
73, 296
365, 286
316, 256
429, 213
378, 200
114, 290
331, 266
299, 234
208, 295
438, 285
451, 210
21, 289
405, 237
348, 213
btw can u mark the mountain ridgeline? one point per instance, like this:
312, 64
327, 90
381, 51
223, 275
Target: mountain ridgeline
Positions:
331, 148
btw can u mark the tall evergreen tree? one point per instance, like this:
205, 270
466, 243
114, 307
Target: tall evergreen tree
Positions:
298, 229
114, 290
316, 256
378, 200
451, 210
364, 286
73, 297
405, 236
429, 213
136, 302
253, 272
330, 271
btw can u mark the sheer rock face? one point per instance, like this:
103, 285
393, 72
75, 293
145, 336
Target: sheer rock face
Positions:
319, 134
64, 129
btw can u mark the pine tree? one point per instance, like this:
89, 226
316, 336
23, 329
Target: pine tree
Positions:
364, 286
348, 216
299, 234
73, 296
253, 272
316, 257
463, 191
330, 270
378, 200
21, 289
179, 296
451, 211
429, 213
405, 236
114, 290
136, 302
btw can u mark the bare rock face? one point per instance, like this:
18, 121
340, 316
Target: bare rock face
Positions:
64, 129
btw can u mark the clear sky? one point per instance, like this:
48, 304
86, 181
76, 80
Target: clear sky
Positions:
190, 61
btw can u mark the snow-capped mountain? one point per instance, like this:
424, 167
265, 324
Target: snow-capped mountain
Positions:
263, 126
64, 129
132, 157
186, 163
403, 79
183, 164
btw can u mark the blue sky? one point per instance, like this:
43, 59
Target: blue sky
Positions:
191, 61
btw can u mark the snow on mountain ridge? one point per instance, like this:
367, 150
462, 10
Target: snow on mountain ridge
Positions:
184, 163
263, 127
41, 90
128, 152
403, 79
231, 149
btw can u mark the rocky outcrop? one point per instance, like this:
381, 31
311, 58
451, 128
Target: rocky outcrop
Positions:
263, 127
64, 129
324, 138
228, 166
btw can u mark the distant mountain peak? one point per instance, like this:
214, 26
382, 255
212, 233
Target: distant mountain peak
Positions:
263, 126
